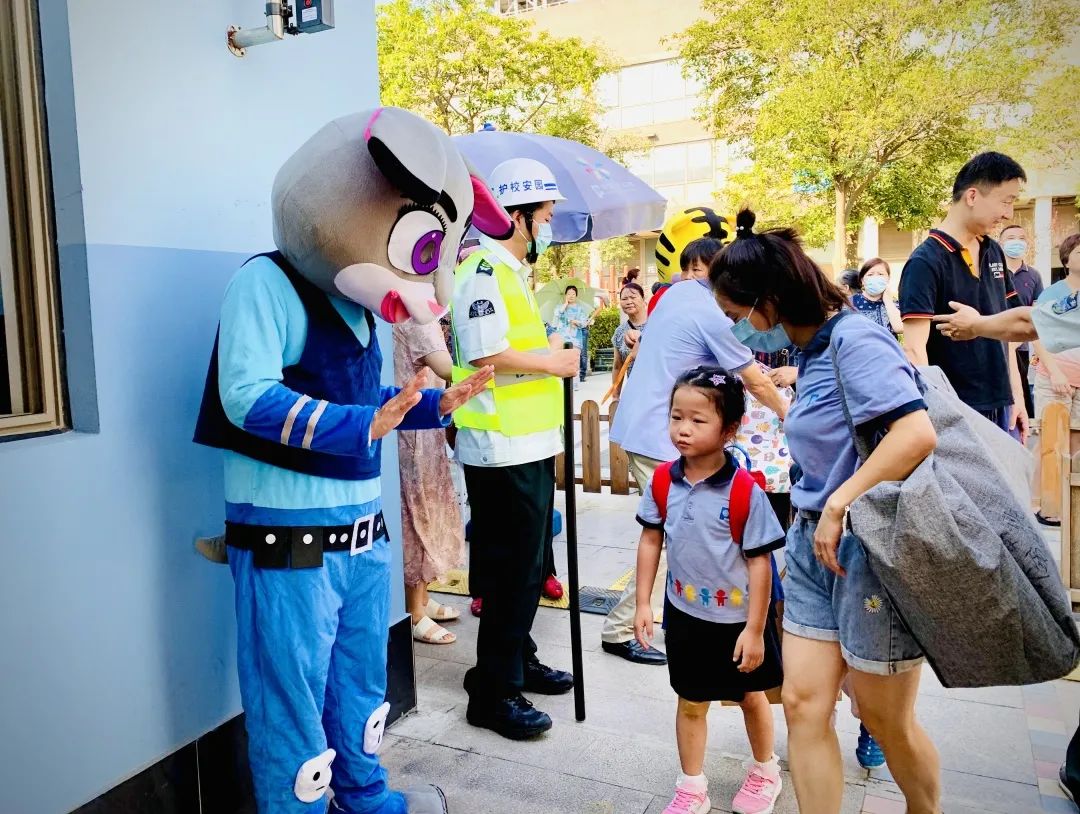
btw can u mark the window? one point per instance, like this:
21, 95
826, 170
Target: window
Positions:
669, 164
683, 172
647, 93
31, 384
699, 165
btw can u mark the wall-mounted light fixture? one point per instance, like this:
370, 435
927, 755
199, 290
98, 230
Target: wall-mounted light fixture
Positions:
305, 17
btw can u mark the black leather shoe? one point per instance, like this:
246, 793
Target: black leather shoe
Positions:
514, 717
633, 651
547, 680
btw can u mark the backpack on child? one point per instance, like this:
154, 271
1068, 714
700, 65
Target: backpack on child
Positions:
742, 488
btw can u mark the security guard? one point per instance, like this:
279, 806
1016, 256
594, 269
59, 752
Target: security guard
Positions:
507, 440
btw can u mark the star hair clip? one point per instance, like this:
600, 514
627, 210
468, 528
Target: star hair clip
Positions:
718, 380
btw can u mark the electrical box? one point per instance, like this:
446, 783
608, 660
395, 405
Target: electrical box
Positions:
313, 15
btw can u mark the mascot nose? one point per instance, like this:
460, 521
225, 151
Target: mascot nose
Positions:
392, 309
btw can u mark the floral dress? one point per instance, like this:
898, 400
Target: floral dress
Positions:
433, 534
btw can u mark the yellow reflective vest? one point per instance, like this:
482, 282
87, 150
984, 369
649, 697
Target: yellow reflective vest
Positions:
525, 403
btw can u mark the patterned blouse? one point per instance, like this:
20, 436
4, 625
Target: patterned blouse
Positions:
872, 310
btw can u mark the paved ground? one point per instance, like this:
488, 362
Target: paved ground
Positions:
1000, 748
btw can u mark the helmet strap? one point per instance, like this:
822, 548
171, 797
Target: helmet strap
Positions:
530, 252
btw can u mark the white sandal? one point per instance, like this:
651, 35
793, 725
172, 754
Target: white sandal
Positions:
441, 613
430, 632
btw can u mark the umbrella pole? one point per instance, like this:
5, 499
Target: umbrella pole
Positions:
571, 544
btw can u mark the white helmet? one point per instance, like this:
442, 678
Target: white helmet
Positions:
523, 181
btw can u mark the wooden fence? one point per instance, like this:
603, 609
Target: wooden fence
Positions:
587, 429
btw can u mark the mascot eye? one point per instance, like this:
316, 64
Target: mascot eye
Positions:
416, 241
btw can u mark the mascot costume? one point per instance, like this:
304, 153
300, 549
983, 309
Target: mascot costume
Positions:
679, 231
368, 218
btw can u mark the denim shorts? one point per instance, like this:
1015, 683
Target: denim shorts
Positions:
852, 610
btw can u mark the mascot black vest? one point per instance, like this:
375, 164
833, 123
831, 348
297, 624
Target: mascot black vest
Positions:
334, 366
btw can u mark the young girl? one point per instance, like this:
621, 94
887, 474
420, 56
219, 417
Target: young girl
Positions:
721, 643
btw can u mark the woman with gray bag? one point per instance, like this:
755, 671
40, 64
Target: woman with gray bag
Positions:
838, 619
937, 556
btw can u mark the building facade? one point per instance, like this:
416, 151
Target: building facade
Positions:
649, 99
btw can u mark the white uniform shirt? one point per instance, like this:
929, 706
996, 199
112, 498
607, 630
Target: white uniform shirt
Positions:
480, 324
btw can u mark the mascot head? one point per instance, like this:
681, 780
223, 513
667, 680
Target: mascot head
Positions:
682, 228
373, 208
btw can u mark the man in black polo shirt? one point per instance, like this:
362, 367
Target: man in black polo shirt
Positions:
1029, 286
959, 263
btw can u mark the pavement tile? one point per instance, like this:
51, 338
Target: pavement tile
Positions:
1058, 805
1051, 725
1042, 709
1047, 769
883, 805
1054, 739
961, 731
479, 783
1050, 754
1050, 788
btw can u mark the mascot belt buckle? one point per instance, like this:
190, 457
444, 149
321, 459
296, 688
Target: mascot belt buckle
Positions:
363, 535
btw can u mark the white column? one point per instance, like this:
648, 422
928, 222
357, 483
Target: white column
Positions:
1044, 239
868, 239
595, 276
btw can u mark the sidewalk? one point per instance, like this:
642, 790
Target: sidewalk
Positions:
1000, 748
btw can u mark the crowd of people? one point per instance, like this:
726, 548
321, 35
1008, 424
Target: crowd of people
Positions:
750, 325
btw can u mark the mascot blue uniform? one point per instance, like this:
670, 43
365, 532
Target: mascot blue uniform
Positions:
368, 217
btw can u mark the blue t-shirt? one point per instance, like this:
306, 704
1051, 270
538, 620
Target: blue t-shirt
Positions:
690, 330
707, 573
1055, 293
880, 385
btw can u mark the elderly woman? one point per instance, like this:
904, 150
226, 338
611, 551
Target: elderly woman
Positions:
872, 299
433, 535
626, 336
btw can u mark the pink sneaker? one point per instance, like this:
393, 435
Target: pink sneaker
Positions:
690, 798
758, 793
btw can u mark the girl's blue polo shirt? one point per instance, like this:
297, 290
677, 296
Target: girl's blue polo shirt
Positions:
707, 573
880, 385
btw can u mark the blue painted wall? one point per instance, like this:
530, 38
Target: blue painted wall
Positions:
116, 639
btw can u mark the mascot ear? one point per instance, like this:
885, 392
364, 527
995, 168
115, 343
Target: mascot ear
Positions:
416, 163
488, 216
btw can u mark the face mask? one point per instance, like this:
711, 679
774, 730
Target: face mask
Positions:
1015, 248
543, 238
875, 286
769, 341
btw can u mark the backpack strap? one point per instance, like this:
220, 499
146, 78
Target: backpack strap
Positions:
661, 486
742, 487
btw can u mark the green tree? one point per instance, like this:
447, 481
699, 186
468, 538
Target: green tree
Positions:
867, 107
460, 65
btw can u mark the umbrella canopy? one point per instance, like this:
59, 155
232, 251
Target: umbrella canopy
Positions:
603, 198
550, 295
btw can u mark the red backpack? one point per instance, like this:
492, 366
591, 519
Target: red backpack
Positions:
742, 485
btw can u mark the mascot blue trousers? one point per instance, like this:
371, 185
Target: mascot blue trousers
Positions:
291, 392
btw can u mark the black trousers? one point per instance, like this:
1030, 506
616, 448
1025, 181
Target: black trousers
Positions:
1023, 362
511, 527
1072, 764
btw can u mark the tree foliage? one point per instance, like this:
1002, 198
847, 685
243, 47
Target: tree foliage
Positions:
868, 107
459, 64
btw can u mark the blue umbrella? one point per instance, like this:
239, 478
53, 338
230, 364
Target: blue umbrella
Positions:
603, 198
